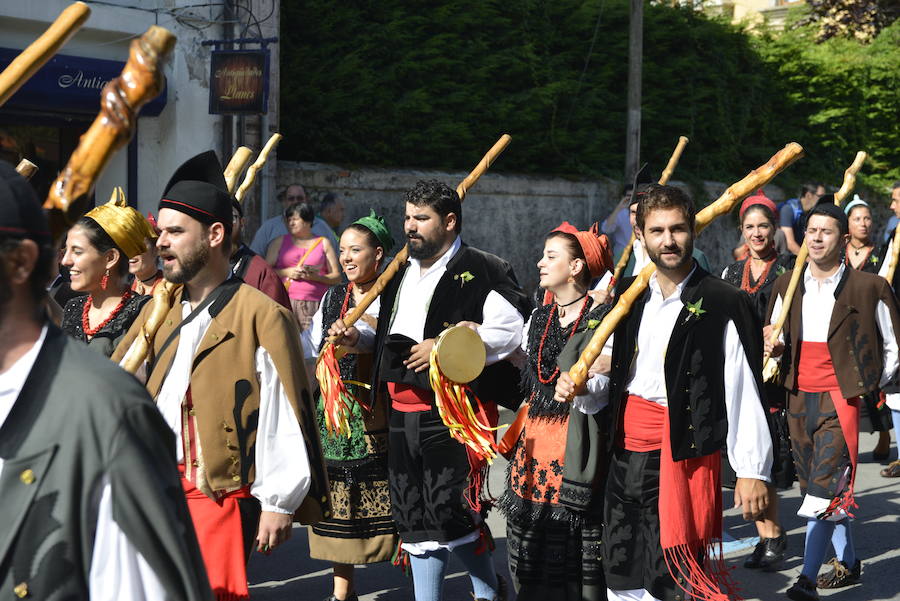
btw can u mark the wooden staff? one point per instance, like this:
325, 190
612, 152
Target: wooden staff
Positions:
165, 293
236, 166
734, 194
663, 180
400, 258
770, 366
256, 166
140, 81
42, 49
26, 168
895, 254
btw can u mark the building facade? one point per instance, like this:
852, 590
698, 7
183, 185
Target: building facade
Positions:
44, 120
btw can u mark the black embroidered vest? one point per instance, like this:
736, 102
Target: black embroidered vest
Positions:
456, 298
694, 363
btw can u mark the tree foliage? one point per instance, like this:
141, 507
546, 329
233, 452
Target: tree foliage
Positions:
859, 19
424, 84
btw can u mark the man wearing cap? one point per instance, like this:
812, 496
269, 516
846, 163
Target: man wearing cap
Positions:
92, 504
839, 343
226, 371
252, 268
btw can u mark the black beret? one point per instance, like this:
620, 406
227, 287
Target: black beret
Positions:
198, 189
21, 214
831, 210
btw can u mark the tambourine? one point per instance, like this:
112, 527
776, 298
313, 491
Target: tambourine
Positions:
460, 354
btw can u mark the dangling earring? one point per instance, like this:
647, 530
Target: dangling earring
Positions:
104, 280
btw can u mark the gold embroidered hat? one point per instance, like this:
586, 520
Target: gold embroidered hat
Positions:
127, 227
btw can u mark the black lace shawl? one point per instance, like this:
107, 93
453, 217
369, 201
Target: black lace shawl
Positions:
106, 340
735, 272
539, 395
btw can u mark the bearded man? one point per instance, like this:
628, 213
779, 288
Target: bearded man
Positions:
434, 482
226, 371
686, 378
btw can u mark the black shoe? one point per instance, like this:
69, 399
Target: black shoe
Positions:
840, 574
350, 597
768, 554
803, 590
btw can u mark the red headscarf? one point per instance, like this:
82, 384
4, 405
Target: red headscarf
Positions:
757, 199
566, 228
595, 248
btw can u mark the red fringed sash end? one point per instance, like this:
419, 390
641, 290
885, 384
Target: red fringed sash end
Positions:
705, 579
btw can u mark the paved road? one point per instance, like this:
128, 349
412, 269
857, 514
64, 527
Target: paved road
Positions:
289, 574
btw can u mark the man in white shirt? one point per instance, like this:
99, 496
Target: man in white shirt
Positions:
435, 483
685, 379
92, 505
226, 371
841, 340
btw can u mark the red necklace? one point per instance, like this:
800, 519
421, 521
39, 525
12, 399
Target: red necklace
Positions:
745, 277
551, 377
85, 322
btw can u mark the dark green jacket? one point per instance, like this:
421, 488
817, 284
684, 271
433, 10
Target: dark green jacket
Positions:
78, 419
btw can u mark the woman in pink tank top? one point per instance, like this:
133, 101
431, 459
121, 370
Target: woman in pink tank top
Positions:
307, 263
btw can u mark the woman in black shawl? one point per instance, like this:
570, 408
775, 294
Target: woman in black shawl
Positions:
551, 505
755, 273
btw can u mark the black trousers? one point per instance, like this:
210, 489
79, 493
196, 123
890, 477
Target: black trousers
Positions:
632, 554
429, 474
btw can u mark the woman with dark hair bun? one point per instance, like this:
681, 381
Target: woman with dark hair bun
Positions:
307, 263
755, 274
97, 251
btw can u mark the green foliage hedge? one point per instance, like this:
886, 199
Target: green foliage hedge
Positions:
425, 84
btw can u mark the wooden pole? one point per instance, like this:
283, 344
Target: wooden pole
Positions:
256, 166
26, 168
236, 166
42, 49
734, 194
140, 81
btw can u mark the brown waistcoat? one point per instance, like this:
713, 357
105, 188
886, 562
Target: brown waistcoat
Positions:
225, 392
854, 340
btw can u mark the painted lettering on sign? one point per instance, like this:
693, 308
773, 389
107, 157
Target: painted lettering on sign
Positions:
80, 80
239, 82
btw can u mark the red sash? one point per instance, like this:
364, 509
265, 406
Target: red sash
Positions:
407, 399
816, 374
690, 504
221, 536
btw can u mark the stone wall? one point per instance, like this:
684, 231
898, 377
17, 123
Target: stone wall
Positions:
508, 215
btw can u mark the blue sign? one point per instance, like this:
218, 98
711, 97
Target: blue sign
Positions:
70, 84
